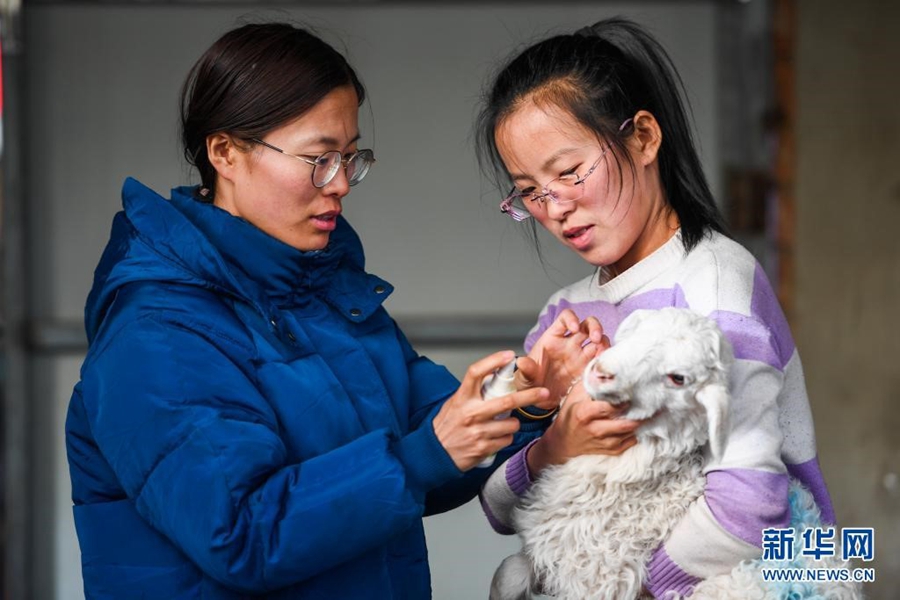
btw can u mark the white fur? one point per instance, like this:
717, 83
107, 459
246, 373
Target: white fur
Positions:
589, 526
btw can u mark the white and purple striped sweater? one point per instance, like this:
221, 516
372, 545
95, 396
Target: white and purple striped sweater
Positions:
772, 429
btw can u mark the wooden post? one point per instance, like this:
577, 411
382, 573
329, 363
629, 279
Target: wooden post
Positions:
784, 27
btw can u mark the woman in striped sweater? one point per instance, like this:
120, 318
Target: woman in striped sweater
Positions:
590, 130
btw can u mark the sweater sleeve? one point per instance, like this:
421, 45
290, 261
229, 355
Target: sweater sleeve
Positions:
772, 433
504, 489
747, 490
197, 448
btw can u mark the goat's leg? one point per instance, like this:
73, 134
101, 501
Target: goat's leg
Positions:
513, 579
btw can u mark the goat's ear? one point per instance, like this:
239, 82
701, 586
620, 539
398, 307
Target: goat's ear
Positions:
632, 321
720, 353
714, 398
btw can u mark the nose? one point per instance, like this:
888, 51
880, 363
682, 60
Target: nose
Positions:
559, 211
339, 185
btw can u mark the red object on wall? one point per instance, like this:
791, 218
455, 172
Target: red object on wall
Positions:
1, 81
1, 97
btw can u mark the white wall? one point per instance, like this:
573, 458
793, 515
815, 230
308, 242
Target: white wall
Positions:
102, 90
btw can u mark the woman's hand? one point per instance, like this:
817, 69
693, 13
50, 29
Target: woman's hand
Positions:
583, 426
560, 355
466, 426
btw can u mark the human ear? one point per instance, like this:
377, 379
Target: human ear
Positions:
224, 153
647, 136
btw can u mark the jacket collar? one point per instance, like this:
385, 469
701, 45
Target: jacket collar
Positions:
277, 269
187, 242
283, 274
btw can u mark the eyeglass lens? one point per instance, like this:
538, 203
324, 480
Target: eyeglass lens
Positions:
563, 189
328, 164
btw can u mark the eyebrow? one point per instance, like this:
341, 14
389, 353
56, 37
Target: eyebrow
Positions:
330, 141
547, 163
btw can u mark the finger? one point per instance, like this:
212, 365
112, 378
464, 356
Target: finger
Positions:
495, 445
593, 328
613, 427
601, 409
610, 441
565, 323
478, 370
622, 445
495, 406
577, 339
522, 381
503, 442
528, 373
628, 443
613, 446
570, 320
589, 351
544, 364
542, 357
625, 425
500, 427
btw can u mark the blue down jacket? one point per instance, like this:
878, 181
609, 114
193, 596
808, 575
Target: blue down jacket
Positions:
250, 421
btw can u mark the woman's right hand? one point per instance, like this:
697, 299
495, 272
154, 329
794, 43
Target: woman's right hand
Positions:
583, 426
466, 426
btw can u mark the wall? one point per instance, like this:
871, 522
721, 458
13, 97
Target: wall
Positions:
102, 92
848, 260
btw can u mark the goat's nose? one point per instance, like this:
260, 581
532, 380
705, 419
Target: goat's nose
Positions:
601, 375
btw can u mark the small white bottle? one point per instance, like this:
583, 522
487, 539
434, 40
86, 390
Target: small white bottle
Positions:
500, 383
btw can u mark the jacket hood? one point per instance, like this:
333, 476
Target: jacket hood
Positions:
184, 241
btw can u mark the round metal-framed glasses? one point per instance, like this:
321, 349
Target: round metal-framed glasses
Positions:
326, 165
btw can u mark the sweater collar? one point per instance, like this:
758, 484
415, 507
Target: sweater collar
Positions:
615, 289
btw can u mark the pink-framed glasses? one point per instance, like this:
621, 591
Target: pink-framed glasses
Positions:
567, 188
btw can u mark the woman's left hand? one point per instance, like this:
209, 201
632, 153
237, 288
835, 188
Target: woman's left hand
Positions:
583, 426
560, 355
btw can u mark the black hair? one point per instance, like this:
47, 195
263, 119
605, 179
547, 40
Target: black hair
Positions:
602, 75
252, 80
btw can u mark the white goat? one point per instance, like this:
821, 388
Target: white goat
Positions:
589, 526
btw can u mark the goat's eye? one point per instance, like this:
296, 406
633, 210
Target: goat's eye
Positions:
676, 379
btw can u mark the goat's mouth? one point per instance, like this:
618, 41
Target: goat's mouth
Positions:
614, 397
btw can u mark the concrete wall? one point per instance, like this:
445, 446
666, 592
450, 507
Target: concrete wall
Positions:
102, 94
848, 259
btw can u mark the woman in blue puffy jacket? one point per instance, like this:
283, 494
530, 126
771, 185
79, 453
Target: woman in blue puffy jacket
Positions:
249, 420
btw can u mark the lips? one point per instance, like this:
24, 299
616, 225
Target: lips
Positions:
574, 232
326, 221
579, 237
